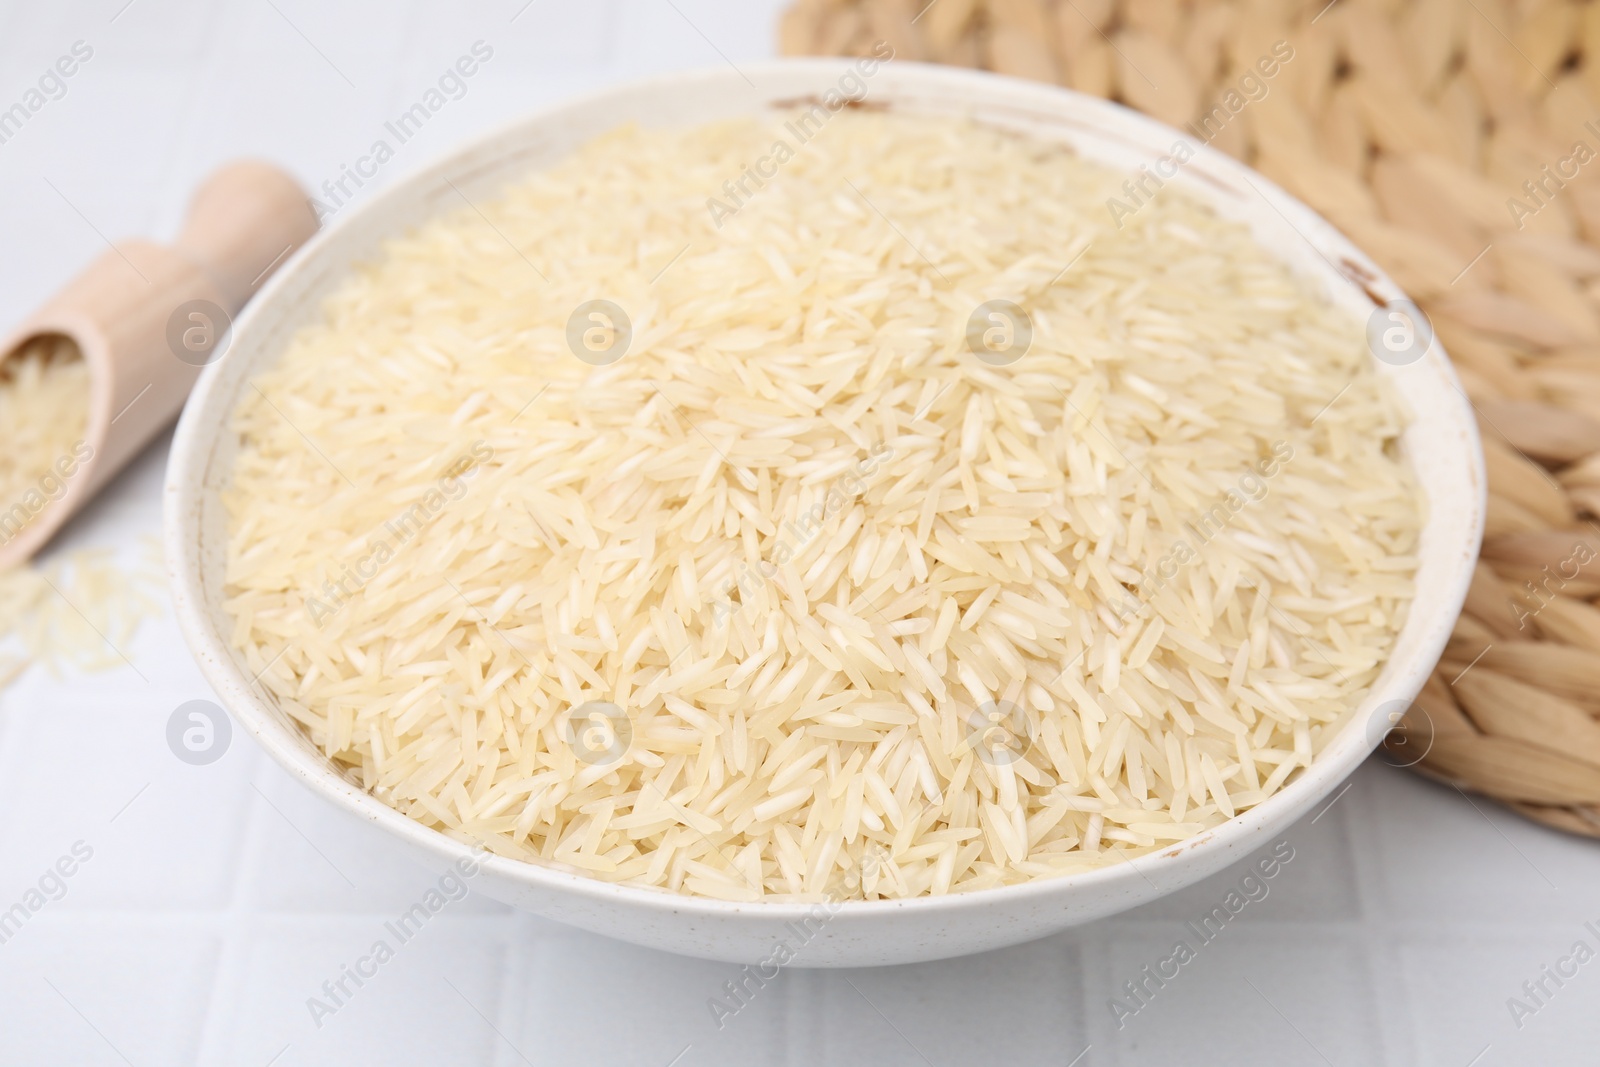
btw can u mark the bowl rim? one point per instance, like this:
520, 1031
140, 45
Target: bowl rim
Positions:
192, 451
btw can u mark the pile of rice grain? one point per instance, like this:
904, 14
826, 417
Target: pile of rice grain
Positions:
79, 609
802, 537
44, 408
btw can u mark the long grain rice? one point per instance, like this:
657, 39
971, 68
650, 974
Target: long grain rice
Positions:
797, 554
44, 408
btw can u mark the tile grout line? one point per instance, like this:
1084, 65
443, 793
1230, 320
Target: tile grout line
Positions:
238, 929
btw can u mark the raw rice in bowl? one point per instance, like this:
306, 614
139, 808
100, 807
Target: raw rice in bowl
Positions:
904, 523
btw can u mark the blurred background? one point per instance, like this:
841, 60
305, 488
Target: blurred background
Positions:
209, 901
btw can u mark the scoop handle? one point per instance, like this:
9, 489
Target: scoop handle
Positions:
148, 318
242, 223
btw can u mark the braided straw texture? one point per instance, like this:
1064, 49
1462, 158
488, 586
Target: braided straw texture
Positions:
1458, 143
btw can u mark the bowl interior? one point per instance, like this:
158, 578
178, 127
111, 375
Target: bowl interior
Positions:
1440, 443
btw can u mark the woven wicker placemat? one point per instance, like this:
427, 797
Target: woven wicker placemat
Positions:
1458, 143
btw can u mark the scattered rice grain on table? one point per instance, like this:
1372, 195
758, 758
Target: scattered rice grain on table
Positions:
876, 618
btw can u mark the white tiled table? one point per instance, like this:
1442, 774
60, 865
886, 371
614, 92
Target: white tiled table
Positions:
222, 896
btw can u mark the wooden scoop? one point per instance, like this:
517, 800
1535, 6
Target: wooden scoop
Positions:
147, 319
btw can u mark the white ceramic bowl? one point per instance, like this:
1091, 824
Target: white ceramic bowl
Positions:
1441, 444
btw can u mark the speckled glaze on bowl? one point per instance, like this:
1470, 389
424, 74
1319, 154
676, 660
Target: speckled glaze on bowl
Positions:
1441, 444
